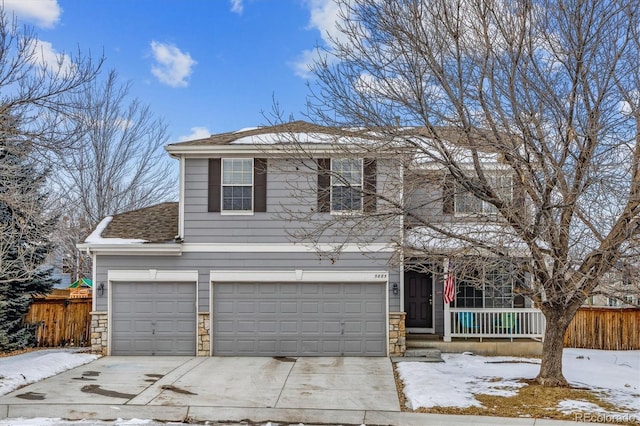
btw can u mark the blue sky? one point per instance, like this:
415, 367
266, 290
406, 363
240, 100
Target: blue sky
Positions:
205, 66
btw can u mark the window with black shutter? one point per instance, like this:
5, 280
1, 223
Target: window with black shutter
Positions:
347, 185
237, 185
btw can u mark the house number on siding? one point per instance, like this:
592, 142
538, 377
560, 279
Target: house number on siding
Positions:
380, 276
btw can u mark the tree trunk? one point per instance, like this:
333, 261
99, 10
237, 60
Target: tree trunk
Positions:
551, 368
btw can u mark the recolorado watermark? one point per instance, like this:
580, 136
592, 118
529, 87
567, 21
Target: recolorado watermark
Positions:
606, 418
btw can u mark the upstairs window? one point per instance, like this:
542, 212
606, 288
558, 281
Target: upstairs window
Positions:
468, 204
346, 185
237, 184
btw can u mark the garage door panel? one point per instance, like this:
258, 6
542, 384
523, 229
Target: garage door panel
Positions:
375, 327
310, 327
153, 318
124, 306
268, 327
352, 307
225, 307
374, 307
185, 308
291, 319
267, 346
247, 289
246, 307
289, 307
353, 327
290, 327
268, 307
246, 346
310, 347
310, 307
268, 290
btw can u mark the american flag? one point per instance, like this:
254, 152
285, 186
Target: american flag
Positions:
449, 285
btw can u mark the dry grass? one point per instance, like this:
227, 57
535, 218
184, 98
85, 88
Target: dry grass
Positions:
532, 401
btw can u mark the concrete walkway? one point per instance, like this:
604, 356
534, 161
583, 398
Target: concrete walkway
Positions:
347, 391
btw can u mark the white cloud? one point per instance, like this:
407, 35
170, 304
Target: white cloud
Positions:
46, 56
302, 67
237, 6
173, 67
43, 13
324, 15
196, 133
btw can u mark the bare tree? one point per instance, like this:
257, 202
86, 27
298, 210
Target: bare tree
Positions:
32, 106
118, 163
526, 117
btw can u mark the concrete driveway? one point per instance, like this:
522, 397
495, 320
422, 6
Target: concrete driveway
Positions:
164, 387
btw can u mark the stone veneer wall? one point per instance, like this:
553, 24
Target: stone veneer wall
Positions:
99, 334
397, 334
204, 338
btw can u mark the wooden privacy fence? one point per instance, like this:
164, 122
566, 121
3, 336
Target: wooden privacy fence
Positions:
61, 321
604, 328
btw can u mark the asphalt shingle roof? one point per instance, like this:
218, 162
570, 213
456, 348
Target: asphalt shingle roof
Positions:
155, 224
291, 127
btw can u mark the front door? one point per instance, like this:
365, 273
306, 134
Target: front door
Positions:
418, 301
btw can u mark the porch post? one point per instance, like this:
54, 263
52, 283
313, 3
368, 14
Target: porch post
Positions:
447, 312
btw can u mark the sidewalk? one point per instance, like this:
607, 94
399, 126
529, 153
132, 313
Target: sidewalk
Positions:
201, 414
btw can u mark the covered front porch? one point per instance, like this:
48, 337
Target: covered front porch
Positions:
485, 310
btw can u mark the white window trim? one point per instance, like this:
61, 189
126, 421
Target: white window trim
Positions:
331, 185
222, 185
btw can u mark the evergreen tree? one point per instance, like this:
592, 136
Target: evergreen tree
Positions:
24, 242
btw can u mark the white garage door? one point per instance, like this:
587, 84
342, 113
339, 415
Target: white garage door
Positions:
153, 318
299, 319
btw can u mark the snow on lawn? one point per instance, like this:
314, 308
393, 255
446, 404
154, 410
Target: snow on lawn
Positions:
614, 374
20, 370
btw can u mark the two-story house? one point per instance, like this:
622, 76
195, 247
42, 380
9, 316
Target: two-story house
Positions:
250, 261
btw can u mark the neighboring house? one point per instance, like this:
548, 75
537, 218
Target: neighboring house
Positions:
617, 289
227, 270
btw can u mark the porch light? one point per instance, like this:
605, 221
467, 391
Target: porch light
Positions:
395, 288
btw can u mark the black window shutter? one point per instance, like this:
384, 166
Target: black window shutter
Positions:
324, 185
369, 185
260, 185
448, 197
214, 184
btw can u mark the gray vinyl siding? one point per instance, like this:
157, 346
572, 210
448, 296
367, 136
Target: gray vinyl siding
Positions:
205, 262
424, 196
291, 202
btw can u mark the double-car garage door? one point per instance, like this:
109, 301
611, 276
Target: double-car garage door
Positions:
251, 319
299, 319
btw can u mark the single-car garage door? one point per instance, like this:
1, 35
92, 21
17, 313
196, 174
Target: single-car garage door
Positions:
299, 319
153, 318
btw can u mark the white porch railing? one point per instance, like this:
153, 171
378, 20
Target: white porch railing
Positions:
510, 323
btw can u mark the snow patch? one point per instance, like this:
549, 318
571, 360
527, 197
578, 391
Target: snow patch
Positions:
21, 370
96, 236
614, 375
